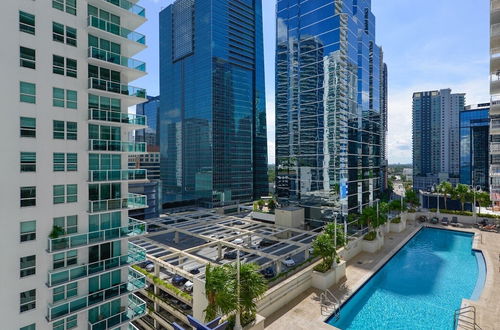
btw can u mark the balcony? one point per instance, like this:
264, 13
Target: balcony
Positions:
132, 42
118, 175
495, 148
135, 255
136, 308
495, 35
134, 228
132, 202
495, 11
117, 146
135, 281
136, 68
117, 117
117, 88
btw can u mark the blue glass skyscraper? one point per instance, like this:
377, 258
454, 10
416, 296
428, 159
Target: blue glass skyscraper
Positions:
212, 113
329, 106
150, 109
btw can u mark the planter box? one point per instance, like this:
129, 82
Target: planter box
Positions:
340, 271
398, 227
372, 246
258, 324
386, 227
323, 281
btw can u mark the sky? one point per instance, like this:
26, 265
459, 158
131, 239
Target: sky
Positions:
428, 45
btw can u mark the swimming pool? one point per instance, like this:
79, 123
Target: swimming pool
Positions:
420, 287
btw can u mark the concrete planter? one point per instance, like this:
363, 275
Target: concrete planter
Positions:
386, 227
257, 324
263, 216
323, 281
398, 227
340, 271
372, 246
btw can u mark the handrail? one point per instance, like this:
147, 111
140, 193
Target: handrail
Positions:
327, 303
459, 316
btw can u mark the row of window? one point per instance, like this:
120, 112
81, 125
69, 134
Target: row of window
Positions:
28, 302
60, 65
61, 98
61, 129
61, 194
62, 162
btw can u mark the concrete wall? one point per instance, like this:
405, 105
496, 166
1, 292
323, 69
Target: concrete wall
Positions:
263, 216
292, 217
200, 301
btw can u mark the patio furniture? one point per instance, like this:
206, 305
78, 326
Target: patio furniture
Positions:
454, 222
434, 220
445, 221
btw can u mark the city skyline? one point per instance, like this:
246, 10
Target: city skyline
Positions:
423, 64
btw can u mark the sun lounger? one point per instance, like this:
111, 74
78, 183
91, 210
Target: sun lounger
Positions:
445, 221
434, 220
454, 222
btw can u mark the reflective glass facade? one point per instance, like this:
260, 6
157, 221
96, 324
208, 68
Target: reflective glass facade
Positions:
150, 109
212, 113
474, 146
329, 99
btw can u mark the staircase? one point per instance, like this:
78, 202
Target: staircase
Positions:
465, 319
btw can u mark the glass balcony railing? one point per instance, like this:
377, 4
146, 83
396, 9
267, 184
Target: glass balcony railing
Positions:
135, 281
118, 146
136, 308
117, 175
117, 117
115, 87
494, 147
132, 202
129, 6
116, 29
104, 55
135, 255
134, 228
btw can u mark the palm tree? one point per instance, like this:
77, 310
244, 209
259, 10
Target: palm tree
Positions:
462, 193
446, 189
252, 287
483, 199
219, 288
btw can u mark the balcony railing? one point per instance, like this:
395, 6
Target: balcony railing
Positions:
115, 87
116, 29
117, 146
104, 55
117, 175
117, 117
494, 147
132, 202
136, 308
129, 6
135, 255
135, 281
134, 228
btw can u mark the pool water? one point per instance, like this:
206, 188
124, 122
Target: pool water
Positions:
419, 288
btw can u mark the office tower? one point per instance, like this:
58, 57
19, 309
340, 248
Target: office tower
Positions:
384, 96
474, 145
329, 107
212, 114
436, 137
495, 104
66, 68
151, 110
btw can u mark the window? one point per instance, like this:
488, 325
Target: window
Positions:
65, 162
64, 98
28, 196
64, 66
65, 324
65, 259
28, 266
28, 300
28, 127
27, 57
68, 223
68, 6
28, 161
64, 34
27, 92
29, 327
102, 14
65, 194
28, 231
64, 292
59, 132
26, 22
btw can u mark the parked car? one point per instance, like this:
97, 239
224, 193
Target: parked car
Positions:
238, 241
188, 286
231, 254
289, 262
194, 271
266, 242
238, 223
149, 266
178, 280
268, 272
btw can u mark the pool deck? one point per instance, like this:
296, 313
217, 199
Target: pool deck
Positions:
304, 311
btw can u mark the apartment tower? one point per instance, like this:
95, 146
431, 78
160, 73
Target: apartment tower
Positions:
66, 68
436, 137
495, 104
330, 103
212, 113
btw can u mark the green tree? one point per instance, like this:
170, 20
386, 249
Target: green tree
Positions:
261, 203
483, 199
252, 287
330, 230
369, 217
411, 197
446, 189
462, 193
271, 205
323, 247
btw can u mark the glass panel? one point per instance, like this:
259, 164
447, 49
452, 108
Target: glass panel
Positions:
28, 231
58, 159
71, 67
58, 194
71, 162
27, 92
58, 97
71, 130
28, 57
58, 32
28, 161
26, 22
58, 129
28, 127
71, 99
58, 64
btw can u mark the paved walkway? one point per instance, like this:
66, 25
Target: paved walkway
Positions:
304, 312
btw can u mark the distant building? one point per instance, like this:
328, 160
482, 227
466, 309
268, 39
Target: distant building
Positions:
474, 145
495, 105
149, 162
150, 109
436, 137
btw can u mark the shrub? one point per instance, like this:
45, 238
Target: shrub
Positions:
322, 267
370, 236
396, 220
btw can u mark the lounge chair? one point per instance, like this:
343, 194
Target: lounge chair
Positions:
454, 222
422, 218
445, 221
488, 228
434, 220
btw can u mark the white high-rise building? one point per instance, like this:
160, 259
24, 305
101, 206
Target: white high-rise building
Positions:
495, 104
65, 73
